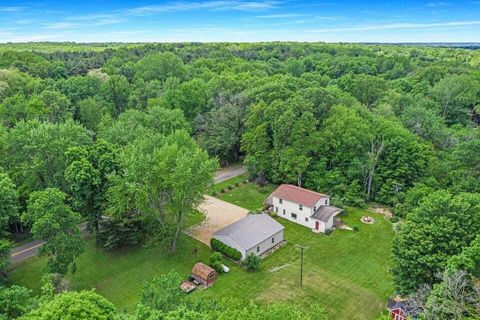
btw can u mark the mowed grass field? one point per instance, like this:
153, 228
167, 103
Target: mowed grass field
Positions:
345, 272
247, 195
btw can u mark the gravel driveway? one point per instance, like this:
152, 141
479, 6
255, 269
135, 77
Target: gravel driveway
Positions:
219, 214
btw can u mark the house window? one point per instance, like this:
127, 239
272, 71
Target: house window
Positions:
306, 219
258, 249
294, 216
273, 240
300, 207
283, 211
276, 209
280, 201
314, 208
326, 201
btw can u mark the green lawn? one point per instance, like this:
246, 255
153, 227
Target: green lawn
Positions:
230, 182
249, 195
346, 272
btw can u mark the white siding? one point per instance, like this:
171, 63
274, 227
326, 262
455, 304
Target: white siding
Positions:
329, 223
267, 244
229, 241
291, 207
303, 216
322, 202
263, 246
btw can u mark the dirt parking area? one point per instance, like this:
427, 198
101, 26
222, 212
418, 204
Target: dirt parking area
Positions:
219, 214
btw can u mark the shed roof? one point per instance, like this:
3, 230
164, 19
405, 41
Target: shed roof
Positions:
298, 195
202, 270
324, 213
251, 230
404, 305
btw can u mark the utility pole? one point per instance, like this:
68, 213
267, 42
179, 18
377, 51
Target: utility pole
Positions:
301, 267
302, 248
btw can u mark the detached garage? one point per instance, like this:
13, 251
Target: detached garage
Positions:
256, 233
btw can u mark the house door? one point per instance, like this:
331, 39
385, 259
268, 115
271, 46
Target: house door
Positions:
317, 225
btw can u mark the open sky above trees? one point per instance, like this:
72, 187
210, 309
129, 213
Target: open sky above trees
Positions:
237, 20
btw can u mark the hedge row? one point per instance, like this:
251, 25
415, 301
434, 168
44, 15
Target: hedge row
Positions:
230, 252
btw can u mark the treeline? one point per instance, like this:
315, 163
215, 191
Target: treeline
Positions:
123, 137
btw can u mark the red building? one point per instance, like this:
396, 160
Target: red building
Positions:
204, 275
399, 310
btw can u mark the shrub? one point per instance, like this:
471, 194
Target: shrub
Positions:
214, 193
395, 219
230, 252
223, 191
251, 263
230, 187
355, 228
261, 180
218, 266
215, 261
215, 257
245, 181
237, 184
328, 231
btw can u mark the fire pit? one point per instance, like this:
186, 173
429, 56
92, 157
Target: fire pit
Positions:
367, 220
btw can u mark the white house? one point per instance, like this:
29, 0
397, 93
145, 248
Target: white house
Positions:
306, 207
255, 233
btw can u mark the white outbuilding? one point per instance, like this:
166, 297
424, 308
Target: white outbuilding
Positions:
255, 233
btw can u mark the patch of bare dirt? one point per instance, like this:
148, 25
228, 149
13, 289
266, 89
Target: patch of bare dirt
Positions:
383, 211
218, 214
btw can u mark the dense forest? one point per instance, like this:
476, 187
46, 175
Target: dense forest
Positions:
128, 137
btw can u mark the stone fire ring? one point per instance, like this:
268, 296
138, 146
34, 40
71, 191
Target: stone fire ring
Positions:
367, 220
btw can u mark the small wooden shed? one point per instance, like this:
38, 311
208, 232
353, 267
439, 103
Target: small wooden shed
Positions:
204, 274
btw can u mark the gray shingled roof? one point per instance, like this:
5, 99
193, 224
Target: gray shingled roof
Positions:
324, 213
251, 230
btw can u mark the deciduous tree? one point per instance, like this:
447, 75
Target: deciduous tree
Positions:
439, 228
55, 223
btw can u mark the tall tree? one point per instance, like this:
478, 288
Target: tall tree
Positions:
15, 301
456, 96
9, 205
438, 229
134, 124
162, 293
49, 105
87, 175
34, 153
166, 178
5, 251
221, 131
83, 305
54, 222
115, 90
160, 66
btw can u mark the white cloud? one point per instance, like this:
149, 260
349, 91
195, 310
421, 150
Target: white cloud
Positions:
62, 25
437, 4
204, 5
12, 9
84, 22
280, 16
392, 26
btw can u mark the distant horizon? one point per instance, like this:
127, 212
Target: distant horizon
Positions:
349, 21
446, 43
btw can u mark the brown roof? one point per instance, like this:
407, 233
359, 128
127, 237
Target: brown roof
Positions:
298, 195
202, 270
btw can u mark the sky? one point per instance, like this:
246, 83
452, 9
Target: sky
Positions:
240, 21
